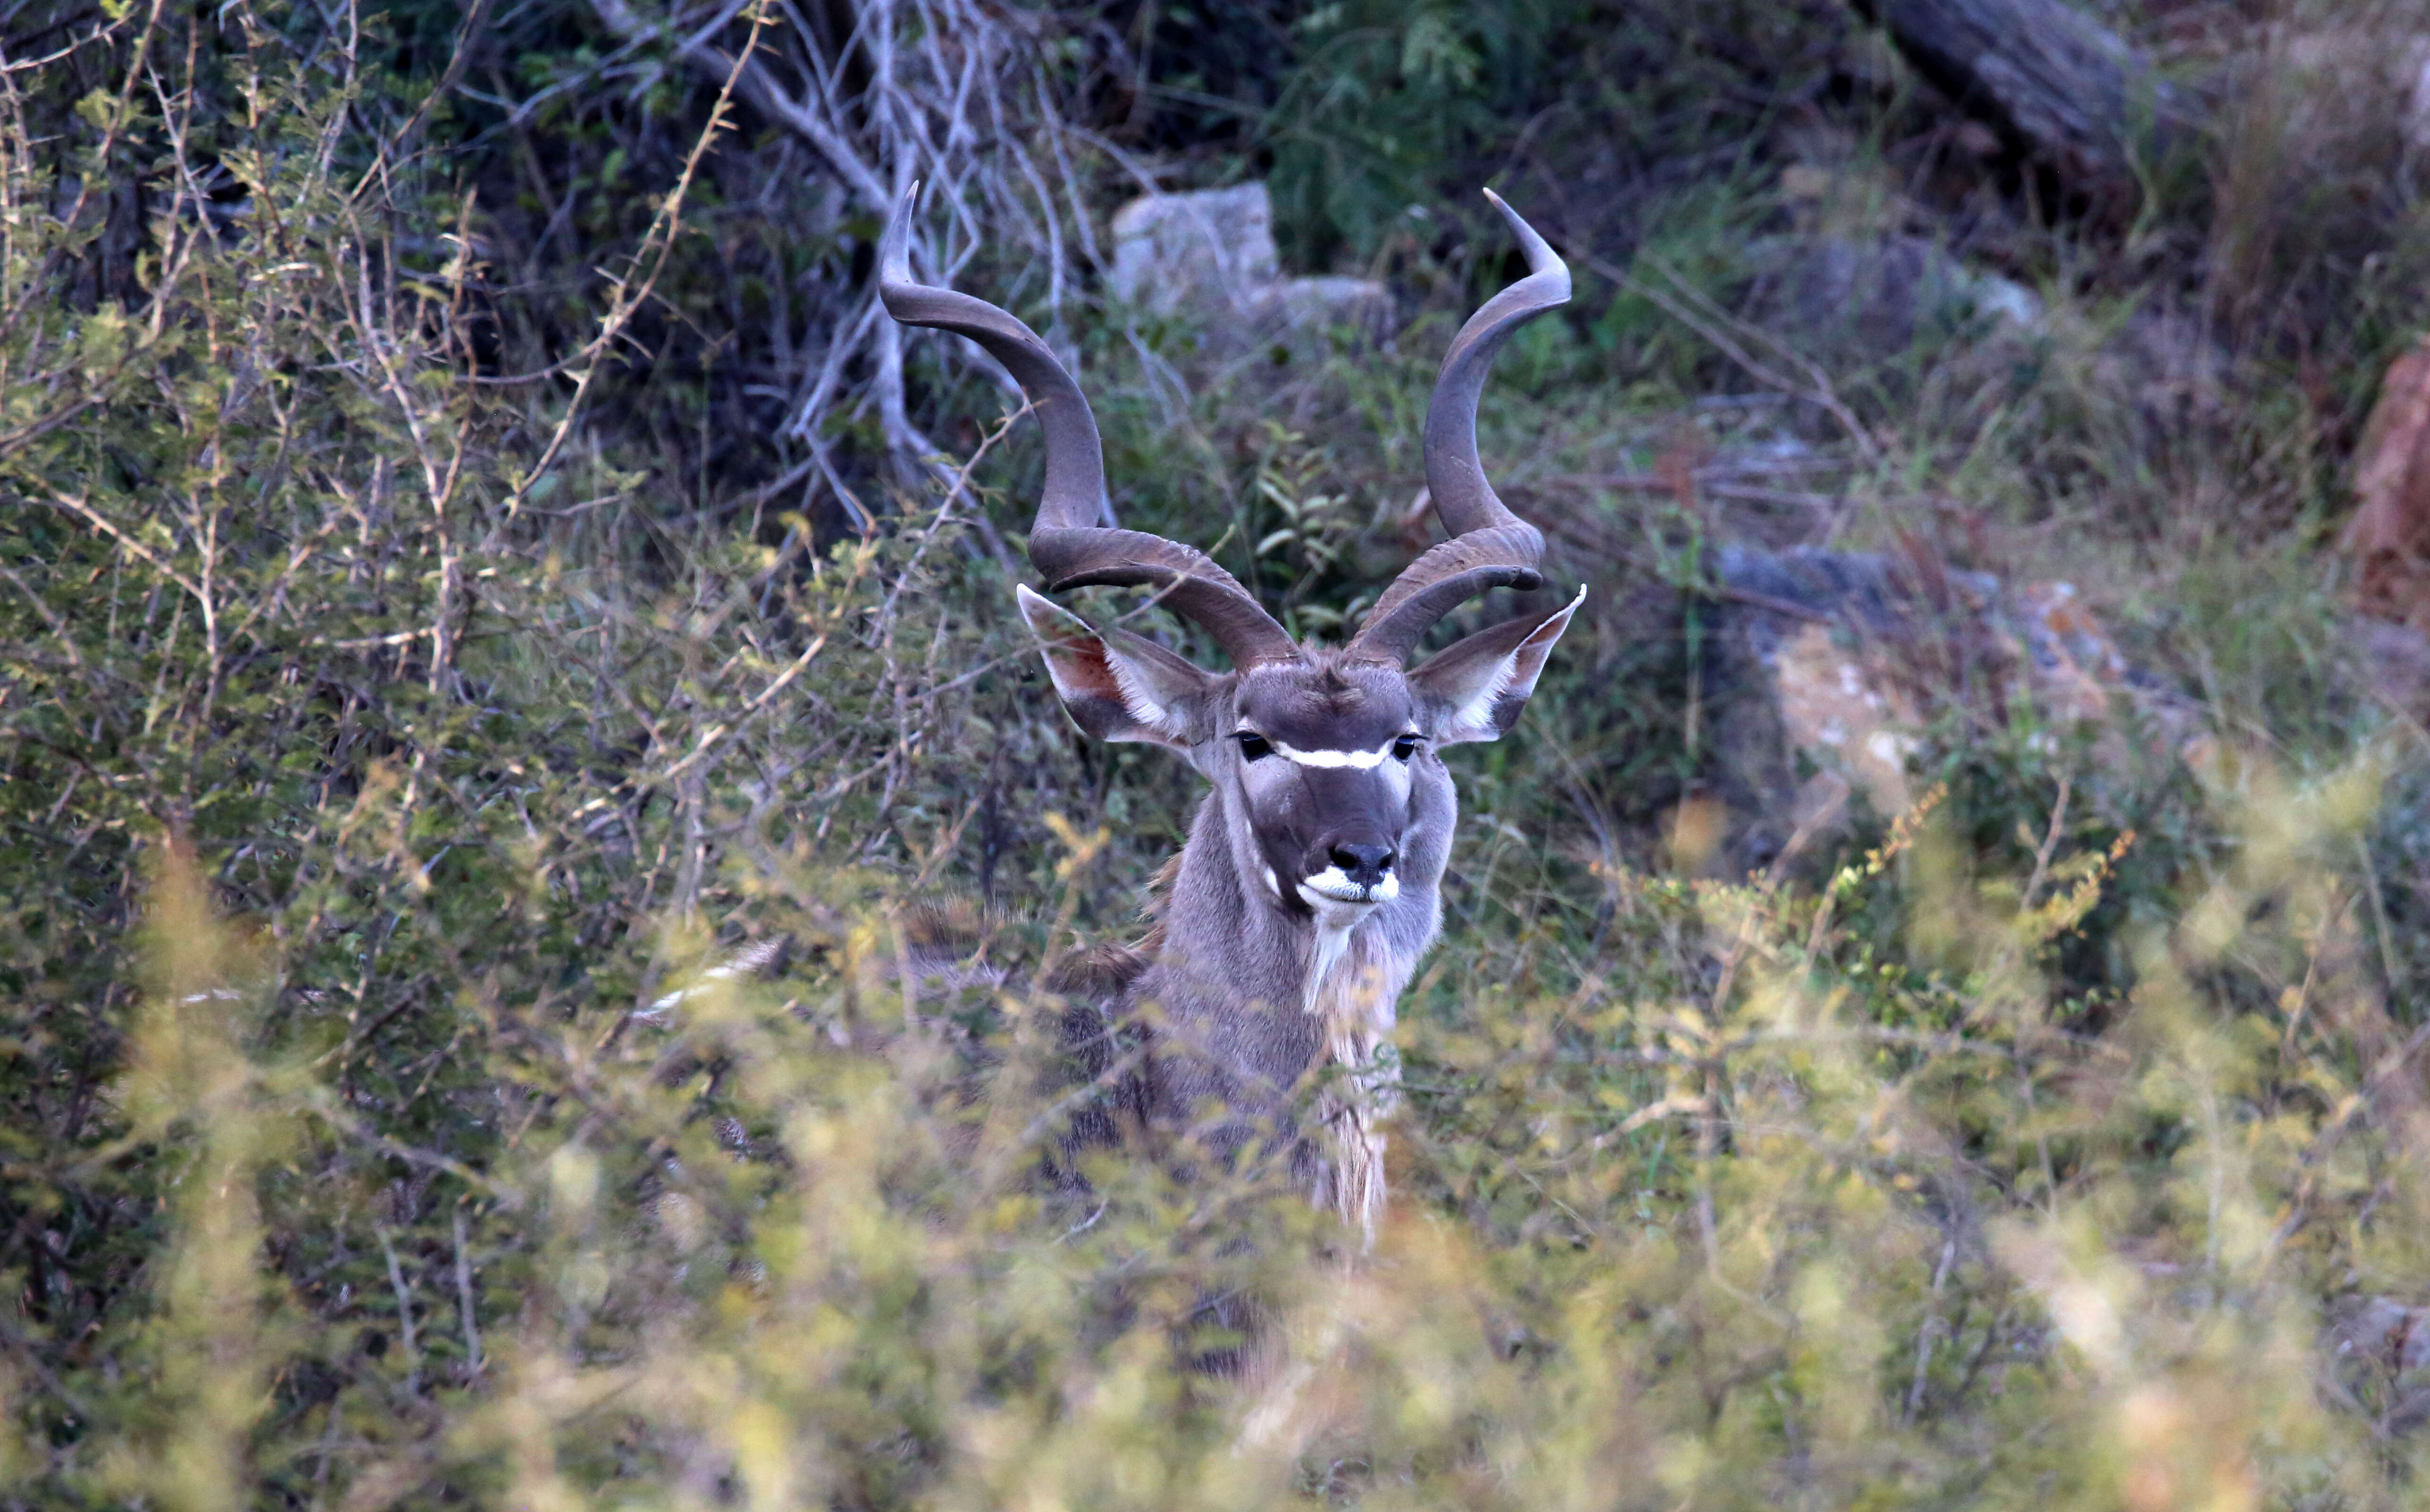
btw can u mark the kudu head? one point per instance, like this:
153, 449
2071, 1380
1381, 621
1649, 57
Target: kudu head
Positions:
1329, 754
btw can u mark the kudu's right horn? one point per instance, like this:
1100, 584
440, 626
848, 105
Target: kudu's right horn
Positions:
1070, 543
1490, 547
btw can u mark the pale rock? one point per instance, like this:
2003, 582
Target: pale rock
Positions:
1207, 259
1825, 667
1208, 254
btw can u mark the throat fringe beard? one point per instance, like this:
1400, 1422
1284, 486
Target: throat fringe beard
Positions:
1354, 989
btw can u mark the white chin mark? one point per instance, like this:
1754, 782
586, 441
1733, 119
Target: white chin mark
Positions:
1331, 910
1332, 889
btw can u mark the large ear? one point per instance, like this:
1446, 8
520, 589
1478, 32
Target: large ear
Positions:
1481, 683
1117, 686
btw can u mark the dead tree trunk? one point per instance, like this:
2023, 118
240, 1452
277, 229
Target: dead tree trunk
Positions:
2061, 87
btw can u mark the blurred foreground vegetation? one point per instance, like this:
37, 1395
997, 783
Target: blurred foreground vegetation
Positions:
428, 643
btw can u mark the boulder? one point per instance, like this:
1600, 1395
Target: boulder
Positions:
1824, 668
1208, 260
1206, 255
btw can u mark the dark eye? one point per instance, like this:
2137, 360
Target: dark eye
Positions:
1254, 745
1404, 748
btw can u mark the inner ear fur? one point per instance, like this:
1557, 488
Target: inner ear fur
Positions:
1116, 686
1482, 682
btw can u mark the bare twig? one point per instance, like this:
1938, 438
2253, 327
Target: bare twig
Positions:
656, 243
403, 1312
464, 1308
718, 731
2050, 844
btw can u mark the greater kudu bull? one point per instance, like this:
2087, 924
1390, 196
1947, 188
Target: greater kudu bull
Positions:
1307, 891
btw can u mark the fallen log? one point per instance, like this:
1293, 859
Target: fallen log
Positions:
2059, 86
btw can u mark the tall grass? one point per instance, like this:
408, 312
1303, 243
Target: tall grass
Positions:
1787, 1190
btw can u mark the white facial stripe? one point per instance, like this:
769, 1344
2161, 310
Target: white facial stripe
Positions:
1363, 760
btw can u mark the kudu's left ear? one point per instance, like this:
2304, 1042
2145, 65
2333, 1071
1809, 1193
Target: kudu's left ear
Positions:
1482, 682
1117, 686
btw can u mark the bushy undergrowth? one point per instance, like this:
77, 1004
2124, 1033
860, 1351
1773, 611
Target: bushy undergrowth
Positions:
383, 768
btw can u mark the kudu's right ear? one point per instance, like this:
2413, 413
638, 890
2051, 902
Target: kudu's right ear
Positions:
1117, 686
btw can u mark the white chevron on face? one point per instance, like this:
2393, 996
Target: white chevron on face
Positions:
1363, 760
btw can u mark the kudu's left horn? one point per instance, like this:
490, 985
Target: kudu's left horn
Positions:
1490, 547
1070, 544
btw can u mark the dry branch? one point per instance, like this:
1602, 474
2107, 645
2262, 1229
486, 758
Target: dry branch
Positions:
949, 93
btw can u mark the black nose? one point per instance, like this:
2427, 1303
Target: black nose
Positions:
1363, 864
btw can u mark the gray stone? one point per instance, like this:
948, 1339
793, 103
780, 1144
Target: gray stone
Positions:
1826, 666
1208, 260
1209, 255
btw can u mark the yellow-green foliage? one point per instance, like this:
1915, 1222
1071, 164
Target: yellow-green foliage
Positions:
1819, 1225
